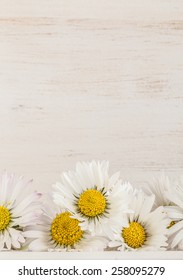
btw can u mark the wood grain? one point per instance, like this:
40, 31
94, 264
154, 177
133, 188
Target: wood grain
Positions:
82, 80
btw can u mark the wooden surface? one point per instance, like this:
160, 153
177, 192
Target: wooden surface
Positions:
136, 255
83, 80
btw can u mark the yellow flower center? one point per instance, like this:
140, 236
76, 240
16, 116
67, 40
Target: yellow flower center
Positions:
92, 203
66, 230
171, 224
5, 218
135, 235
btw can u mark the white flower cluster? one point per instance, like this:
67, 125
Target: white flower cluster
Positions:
88, 210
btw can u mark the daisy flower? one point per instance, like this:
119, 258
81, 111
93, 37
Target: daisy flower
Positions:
175, 213
143, 229
92, 196
60, 231
18, 210
169, 194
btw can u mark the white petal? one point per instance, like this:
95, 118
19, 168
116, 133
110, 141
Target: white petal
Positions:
177, 239
114, 243
7, 239
176, 227
18, 210
38, 245
33, 234
113, 179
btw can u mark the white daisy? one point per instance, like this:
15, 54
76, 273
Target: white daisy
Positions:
19, 209
175, 213
92, 196
143, 229
169, 194
59, 231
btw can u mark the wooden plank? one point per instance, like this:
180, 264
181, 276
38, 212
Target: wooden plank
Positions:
83, 80
153, 255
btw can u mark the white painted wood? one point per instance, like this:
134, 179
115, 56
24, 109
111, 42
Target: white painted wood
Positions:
171, 255
83, 80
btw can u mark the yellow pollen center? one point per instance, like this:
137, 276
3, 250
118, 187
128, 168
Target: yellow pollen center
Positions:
5, 218
171, 224
134, 235
66, 230
92, 203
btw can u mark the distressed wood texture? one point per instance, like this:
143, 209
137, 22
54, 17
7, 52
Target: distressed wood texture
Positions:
82, 80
